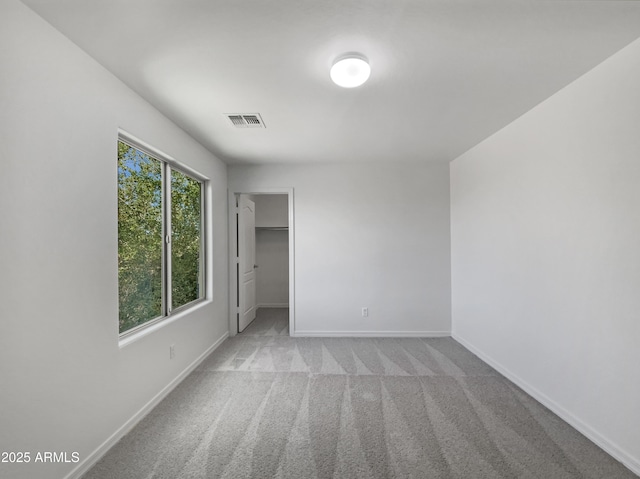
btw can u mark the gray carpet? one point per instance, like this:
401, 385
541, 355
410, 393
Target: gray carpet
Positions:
265, 405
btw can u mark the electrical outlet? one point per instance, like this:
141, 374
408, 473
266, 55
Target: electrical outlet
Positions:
172, 351
365, 312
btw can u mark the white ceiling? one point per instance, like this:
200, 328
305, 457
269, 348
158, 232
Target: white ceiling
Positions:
445, 74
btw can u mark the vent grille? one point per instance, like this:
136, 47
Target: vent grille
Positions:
241, 120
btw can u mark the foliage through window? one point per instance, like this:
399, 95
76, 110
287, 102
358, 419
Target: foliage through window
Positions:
160, 238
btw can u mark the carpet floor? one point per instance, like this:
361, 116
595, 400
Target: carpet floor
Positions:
265, 405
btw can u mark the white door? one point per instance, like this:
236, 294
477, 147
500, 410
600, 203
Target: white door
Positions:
246, 262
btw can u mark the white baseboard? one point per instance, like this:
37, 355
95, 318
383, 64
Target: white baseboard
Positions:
612, 449
101, 450
272, 305
372, 334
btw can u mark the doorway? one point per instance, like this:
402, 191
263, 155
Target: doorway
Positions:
262, 263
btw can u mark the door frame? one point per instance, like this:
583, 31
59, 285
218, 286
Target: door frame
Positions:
233, 245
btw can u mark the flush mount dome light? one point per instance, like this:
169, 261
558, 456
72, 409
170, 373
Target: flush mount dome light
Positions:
350, 70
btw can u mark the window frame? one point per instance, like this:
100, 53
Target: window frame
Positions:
167, 164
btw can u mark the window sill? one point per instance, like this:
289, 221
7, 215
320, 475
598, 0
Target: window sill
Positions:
132, 338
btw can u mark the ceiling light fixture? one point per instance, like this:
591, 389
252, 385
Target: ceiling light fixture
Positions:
350, 70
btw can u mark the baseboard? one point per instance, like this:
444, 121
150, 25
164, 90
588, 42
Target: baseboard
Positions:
101, 450
272, 305
372, 334
630, 462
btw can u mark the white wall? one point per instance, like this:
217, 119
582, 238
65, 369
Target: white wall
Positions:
65, 384
271, 210
272, 275
272, 250
546, 252
373, 236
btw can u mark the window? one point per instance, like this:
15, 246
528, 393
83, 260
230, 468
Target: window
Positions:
160, 237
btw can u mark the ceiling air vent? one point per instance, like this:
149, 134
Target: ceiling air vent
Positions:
240, 120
